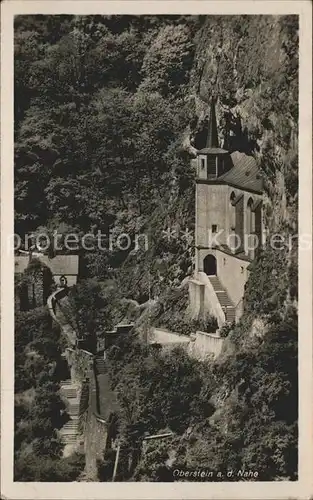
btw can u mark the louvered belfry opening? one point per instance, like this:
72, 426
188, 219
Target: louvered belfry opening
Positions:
212, 166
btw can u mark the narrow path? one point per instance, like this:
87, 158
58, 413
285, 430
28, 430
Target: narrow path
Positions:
95, 433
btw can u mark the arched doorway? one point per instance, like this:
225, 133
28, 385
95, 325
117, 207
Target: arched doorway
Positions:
209, 265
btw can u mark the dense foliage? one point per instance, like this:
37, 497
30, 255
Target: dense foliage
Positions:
39, 409
107, 109
156, 391
95, 132
87, 312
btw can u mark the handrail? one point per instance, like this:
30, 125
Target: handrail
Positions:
51, 303
236, 307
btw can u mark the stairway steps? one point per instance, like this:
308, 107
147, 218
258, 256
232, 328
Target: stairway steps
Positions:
70, 439
70, 423
230, 315
69, 393
223, 298
73, 407
65, 383
100, 365
74, 413
69, 430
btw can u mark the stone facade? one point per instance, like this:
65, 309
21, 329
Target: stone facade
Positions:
33, 286
37, 275
218, 220
232, 271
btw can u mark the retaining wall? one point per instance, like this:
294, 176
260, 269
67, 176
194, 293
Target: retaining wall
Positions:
204, 345
199, 345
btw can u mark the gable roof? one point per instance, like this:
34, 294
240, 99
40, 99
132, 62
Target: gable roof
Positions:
212, 151
244, 173
20, 264
60, 264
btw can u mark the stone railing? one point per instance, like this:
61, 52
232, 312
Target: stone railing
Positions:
210, 297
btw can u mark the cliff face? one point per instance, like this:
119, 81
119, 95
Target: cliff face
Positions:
250, 64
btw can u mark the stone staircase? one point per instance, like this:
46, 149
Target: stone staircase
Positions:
69, 431
100, 365
224, 300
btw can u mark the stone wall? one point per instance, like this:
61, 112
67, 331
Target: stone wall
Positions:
33, 287
205, 345
196, 298
209, 303
167, 339
199, 345
213, 207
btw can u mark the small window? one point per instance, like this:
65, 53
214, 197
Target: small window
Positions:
214, 228
202, 163
241, 269
224, 261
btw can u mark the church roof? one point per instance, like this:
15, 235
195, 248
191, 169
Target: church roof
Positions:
244, 173
212, 139
59, 265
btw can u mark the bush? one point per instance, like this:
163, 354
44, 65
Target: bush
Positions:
226, 329
33, 467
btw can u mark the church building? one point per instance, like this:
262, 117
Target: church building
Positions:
228, 227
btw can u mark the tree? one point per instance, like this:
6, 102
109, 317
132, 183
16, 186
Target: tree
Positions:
168, 61
87, 311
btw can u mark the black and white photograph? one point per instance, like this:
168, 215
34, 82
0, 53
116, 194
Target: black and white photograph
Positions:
156, 248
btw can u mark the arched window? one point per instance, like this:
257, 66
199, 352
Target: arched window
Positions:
250, 228
250, 217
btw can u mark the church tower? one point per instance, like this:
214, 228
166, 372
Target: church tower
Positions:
228, 226
212, 162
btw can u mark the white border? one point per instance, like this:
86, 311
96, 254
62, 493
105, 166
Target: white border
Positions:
241, 490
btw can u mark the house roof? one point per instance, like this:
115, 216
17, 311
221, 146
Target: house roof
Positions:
244, 173
60, 264
20, 264
212, 151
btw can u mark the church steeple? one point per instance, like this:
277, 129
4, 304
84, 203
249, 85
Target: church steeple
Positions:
212, 139
213, 161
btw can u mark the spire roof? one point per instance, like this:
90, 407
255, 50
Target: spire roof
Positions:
212, 139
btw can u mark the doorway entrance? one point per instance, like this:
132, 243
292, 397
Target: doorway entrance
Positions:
209, 265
